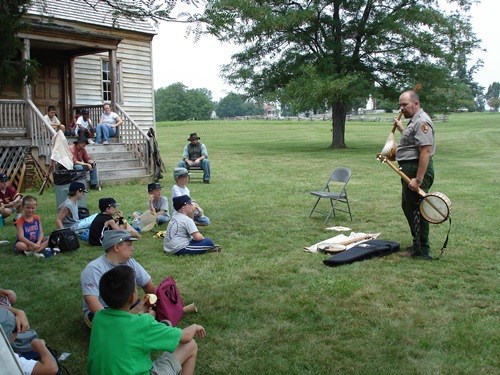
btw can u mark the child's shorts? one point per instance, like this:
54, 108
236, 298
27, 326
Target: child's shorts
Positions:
167, 363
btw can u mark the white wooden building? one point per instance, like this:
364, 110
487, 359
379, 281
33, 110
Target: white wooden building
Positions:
87, 58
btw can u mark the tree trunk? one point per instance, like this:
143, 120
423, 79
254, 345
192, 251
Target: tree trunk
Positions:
339, 113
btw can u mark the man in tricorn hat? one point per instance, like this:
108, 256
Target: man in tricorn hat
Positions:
83, 162
195, 154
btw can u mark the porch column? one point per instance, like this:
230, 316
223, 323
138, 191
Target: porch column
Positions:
72, 92
26, 56
113, 78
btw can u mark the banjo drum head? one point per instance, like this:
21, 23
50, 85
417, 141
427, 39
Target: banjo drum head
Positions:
435, 208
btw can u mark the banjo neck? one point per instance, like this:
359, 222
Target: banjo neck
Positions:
383, 159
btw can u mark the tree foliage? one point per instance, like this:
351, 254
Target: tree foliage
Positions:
319, 54
154, 10
178, 103
233, 105
13, 69
493, 96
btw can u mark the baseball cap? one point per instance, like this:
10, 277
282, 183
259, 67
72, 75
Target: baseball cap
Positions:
4, 177
75, 186
181, 201
112, 237
7, 321
180, 172
154, 185
107, 202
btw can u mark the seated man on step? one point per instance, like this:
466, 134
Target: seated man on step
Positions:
83, 162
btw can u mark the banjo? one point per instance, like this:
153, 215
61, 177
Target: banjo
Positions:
434, 207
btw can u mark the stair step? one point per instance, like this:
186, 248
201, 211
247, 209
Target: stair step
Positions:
106, 148
115, 155
123, 173
113, 164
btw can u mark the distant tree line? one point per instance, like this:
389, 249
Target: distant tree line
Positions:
178, 103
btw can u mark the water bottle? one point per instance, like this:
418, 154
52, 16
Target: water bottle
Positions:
136, 224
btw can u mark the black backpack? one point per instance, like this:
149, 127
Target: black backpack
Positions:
64, 239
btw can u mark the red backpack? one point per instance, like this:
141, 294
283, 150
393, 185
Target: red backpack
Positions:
169, 305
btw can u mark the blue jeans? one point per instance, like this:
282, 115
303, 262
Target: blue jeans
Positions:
104, 131
205, 165
94, 179
162, 219
202, 220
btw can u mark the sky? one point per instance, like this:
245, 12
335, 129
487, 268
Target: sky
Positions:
177, 58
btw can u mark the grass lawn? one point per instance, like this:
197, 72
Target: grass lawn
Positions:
271, 308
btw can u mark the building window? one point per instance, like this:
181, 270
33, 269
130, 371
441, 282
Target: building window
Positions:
106, 82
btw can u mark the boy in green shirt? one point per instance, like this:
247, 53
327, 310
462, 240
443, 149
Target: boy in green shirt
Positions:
121, 343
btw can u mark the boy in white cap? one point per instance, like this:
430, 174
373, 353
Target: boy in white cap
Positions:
180, 188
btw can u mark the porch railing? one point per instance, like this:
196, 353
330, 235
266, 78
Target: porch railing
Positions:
135, 139
41, 131
22, 117
12, 116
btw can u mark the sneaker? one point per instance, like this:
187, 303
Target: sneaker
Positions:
91, 142
105, 143
39, 255
56, 250
215, 249
28, 253
206, 181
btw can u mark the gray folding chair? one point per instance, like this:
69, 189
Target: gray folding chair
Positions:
335, 191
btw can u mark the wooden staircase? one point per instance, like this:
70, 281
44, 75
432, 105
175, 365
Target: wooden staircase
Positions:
116, 164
